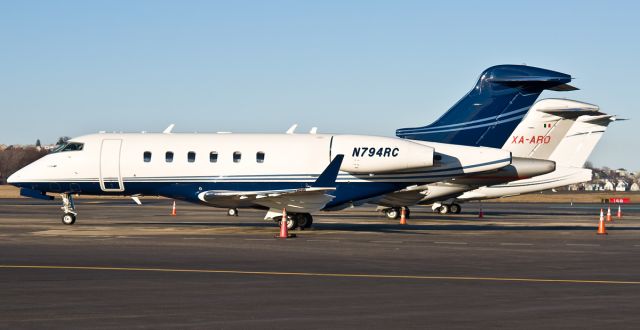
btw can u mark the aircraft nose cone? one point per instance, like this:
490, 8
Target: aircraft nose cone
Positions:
13, 178
16, 178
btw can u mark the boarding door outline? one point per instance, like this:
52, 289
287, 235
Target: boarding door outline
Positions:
110, 176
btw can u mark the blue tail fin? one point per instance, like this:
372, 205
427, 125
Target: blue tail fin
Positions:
489, 113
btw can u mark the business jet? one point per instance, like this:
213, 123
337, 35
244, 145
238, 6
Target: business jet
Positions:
570, 156
531, 143
302, 173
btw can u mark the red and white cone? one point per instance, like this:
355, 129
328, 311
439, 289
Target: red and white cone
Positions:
609, 213
481, 214
619, 212
601, 229
284, 231
173, 209
403, 216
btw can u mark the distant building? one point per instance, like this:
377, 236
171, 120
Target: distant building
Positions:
2, 147
622, 185
608, 186
593, 186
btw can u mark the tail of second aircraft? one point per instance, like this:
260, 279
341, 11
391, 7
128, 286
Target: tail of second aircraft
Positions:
488, 114
581, 140
545, 126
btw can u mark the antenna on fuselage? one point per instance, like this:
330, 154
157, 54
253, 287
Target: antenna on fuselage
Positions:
169, 129
292, 129
313, 130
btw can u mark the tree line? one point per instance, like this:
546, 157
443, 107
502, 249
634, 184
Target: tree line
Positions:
14, 158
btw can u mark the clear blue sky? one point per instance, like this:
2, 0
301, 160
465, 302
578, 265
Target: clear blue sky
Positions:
366, 67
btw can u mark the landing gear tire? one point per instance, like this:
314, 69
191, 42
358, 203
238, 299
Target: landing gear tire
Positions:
305, 220
69, 209
232, 212
69, 219
407, 212
455, 208
444, 209
392, 213
292, 223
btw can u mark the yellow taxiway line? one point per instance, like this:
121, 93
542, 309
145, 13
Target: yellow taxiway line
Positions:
338, 275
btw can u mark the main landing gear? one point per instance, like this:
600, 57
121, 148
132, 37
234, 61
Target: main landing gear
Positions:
296, 220
394, 212
232, 212
69, 209
448, 208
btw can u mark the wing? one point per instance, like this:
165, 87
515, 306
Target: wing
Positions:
300, 200
305, 200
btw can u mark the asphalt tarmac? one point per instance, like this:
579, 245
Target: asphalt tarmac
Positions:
127, 266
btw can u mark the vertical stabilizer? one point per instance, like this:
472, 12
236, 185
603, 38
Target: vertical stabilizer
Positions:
581, 140
544, 127
489, 113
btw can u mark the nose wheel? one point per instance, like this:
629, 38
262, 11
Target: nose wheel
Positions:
69, 219
69, 209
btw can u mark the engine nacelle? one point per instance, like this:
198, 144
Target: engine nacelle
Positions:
378, 154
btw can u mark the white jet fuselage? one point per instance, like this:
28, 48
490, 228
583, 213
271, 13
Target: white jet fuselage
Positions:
185, 165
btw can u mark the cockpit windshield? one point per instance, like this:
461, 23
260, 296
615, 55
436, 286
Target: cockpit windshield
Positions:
69, 146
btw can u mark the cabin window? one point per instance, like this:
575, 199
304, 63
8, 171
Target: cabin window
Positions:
260, 157
168, 156
191, 156
237, 156
213, 157
147, 156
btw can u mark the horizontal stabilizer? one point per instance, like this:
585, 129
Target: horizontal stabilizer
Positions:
564, 88
603, 120
526, 79
572, 113
568, 109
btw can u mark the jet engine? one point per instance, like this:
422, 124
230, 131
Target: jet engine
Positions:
377, 154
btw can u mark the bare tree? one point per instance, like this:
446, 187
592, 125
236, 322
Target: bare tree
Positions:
15, 158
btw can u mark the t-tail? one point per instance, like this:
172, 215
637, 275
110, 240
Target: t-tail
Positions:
489, 113
581, 140
545, 126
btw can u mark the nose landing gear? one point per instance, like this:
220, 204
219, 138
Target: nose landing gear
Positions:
69, 209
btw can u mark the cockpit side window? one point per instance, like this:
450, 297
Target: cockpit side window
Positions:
70, 146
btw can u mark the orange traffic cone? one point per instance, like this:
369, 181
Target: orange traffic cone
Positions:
284, 231
173, 210
601, 229
403, 216
619, 212
609, 213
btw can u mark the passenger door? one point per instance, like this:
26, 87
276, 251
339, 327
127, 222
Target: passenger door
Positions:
110, 178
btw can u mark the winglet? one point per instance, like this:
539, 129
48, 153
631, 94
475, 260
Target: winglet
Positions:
169, 129
328, 177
